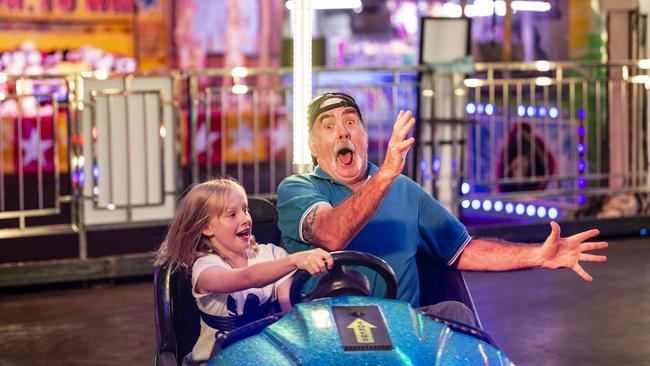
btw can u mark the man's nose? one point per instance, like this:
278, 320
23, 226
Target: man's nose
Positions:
344, 133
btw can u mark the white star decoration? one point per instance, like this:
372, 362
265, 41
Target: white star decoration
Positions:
242, 138
31, 148
279, 137
201, 138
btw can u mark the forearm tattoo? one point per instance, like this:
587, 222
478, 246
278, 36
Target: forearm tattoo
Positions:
308, 225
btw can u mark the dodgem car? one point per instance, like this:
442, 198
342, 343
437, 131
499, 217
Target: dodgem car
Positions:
337, 322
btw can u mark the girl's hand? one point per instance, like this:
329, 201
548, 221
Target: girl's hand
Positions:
314, 261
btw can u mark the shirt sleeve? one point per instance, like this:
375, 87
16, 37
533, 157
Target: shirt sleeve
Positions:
200, 265
444, 236
296, 196
277, 253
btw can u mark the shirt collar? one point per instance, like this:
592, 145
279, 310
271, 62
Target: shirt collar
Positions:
372, 169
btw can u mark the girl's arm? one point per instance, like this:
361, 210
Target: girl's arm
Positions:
282, 292
217, 279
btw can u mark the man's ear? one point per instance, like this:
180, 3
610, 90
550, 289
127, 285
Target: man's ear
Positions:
312, 147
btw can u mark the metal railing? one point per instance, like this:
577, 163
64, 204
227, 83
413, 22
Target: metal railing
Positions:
551, 130
560, 131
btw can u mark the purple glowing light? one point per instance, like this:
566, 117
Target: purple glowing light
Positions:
436, 164
582, 182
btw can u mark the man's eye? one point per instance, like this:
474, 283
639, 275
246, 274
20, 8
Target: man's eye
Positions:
328, 127
350, 122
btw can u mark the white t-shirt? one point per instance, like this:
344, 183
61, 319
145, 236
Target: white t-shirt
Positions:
229, 304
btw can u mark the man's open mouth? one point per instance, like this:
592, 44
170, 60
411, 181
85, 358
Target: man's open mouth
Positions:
345, 155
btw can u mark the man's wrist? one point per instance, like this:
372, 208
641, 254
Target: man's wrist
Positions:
538, 257
386, 174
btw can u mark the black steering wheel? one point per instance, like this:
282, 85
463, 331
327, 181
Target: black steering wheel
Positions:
342, 281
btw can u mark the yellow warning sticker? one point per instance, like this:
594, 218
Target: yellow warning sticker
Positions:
362, 331
361, 328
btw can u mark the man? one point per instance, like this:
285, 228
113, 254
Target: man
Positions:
349, 203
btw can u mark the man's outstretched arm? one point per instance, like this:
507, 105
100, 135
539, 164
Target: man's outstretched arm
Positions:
555, 252
334, 227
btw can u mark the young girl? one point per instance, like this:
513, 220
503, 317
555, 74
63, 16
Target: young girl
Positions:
234, 279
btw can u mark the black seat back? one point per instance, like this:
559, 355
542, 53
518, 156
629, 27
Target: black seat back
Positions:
443, 283
177, 316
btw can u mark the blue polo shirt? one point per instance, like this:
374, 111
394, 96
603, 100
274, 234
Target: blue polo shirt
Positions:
408, 219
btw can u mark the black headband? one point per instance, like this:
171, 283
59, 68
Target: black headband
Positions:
314, 109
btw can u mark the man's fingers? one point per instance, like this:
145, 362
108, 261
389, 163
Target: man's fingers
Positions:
580, 237
584, 247
406, 144
592, 258
582, 273
402, 117
555, 232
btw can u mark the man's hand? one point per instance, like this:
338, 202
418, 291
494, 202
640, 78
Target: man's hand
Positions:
399, 145
560, 252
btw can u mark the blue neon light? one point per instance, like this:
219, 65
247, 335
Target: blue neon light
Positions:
509, 208
531, 111
487, 205
552, 213
541, 111
520, 209
476, 204
479, 108
470, 108
465, 188
465, 204
541, 212
489, 109
530, 210
521, 110
498, 206
553, 112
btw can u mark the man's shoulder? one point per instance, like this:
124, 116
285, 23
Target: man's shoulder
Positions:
305, 180
404, 182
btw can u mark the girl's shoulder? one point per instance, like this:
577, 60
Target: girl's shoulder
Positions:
270, 251
209, 259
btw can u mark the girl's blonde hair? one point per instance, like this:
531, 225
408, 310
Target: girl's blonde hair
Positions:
185, 241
